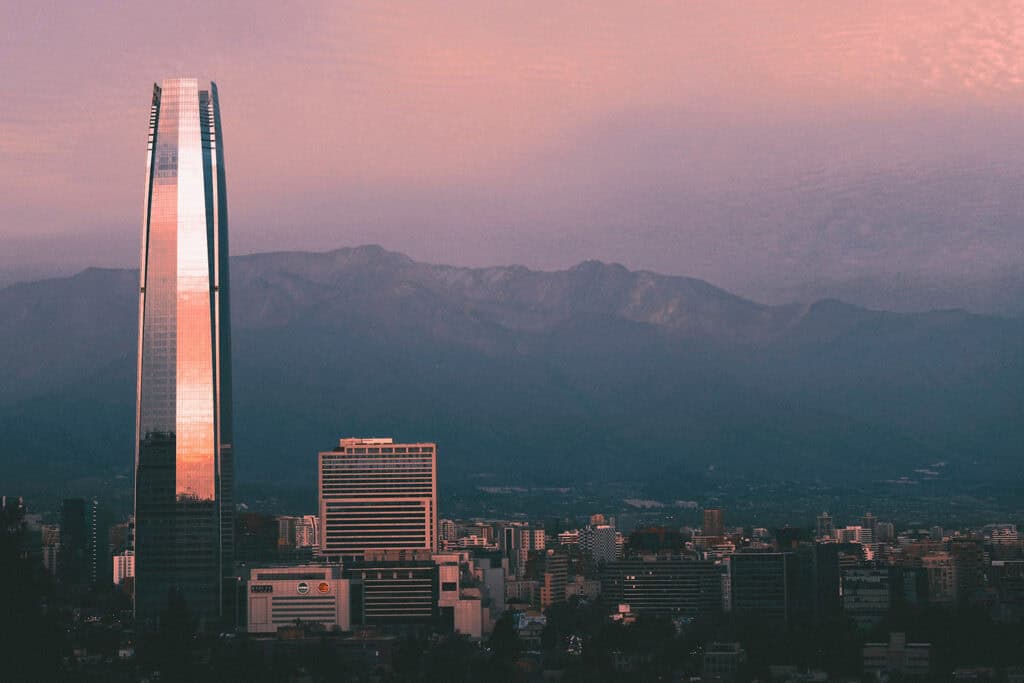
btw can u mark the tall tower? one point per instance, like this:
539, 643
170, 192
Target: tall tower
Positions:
183, 460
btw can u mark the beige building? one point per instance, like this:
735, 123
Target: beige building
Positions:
284, 596
377, 495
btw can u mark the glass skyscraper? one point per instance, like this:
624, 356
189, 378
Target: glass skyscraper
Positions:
183, 464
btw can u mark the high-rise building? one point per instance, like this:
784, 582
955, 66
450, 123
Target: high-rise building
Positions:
124, 566
51, 547
552, 578
73, 562
867, 594
378, 495
447, 530
306, 532
531, 540
942, 578
764, 586
600, 543
714, 522
825, 526
184, 463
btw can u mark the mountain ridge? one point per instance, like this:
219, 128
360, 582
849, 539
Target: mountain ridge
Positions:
526, 373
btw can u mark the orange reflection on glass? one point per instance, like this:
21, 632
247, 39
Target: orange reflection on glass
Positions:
194, 414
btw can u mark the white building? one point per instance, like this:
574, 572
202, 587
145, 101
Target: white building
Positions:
470, 605
284, 596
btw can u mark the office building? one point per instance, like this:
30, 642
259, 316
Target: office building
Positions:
521, 591
941, 569
76, 553
1007, 580
722, 661
394, 587
447, 531
376, 494
569, 539
553, 576
184, 507
601, 543
307, 532
124, 567
867, 594
882, 660
51, 547
664, 585
825, 526
465, 595
764, 586
304, 594
714, 522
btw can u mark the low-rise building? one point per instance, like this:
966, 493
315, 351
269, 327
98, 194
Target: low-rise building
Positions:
897, 657
303, 594
723, 660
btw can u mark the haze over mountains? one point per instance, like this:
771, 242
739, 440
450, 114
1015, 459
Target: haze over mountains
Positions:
591, 373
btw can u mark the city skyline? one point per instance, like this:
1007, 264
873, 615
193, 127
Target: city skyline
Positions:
184, 504
808, 470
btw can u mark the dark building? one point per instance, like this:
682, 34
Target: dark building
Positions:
909, 586
664, 585
74, 559
256, 538
867, 593
553, 577
969, 558
714, 522
657, 539
184, 470
765, 586
1007, 579
393, 588
818, 596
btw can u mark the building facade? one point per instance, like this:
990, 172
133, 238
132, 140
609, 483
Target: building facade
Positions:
714, 522
184, 463
867, 594
288, 596
601, 543
764, 586
377, 495
124, 567
397, 588
664, 585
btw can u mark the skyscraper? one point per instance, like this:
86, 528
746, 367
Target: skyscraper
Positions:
183, 462
378, 495
714, 522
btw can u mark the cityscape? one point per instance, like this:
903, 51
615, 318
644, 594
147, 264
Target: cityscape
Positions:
349, 464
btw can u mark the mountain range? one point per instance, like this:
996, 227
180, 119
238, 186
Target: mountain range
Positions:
595, 373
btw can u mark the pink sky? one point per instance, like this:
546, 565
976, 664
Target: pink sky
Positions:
730, 141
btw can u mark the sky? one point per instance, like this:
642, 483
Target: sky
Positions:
748, 143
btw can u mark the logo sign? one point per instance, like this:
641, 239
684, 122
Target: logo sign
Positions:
302, 588
261, 588
323, 587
